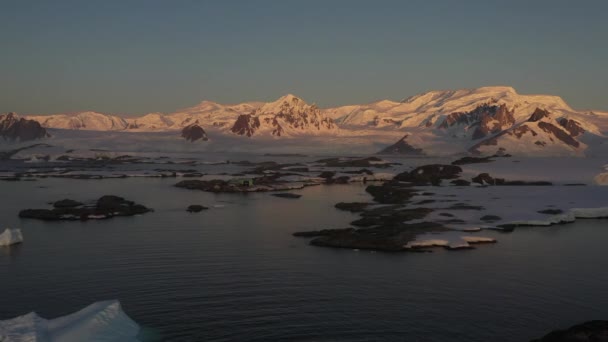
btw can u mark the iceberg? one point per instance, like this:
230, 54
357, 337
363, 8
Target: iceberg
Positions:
100, 321
10, 237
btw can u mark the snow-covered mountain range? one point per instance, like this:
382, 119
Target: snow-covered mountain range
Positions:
481, 120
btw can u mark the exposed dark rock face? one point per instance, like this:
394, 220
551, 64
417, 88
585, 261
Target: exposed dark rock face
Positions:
521, 130
431, 174
196, 208
246, 124
538, 115
194, 132
573, 127
402, 147
485, 119
592, 331
559, 134
106, 207
13, 128
287, 195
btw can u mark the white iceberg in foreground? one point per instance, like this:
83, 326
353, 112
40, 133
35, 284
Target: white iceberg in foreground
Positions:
10, 237
100, 321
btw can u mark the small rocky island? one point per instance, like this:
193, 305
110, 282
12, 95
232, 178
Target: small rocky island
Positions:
69, 210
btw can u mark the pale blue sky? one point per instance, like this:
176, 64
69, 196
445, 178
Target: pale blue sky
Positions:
133, 57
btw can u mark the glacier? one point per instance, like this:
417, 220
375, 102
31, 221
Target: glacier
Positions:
100, 321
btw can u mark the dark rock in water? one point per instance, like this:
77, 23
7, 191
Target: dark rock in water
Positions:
287, 195
526, 183
464, 206
106, 207
446, 214
485, 178
194, 132
390, 215
327, 174
14, 128
390, 238
339, 180
402, 147
592, 331
355, 162
473, 160
10, 179
352, 206
358, 172
426, 201
551, 211
6, 155
390, 193
323, 232
196, 208
490, 218
460, 182
429, 174
67, 203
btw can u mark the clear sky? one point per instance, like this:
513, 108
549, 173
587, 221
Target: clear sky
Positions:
133, 57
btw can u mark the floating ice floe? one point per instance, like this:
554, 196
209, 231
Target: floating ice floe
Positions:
100, 321
10, 237
569, 216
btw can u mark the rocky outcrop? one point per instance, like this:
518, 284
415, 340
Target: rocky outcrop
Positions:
591, 331
402, 147
13, 128
68, 210
194, 132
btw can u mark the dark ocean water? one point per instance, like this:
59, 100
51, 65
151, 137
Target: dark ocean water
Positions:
235, 273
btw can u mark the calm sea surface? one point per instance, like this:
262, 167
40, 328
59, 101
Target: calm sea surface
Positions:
235, 273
